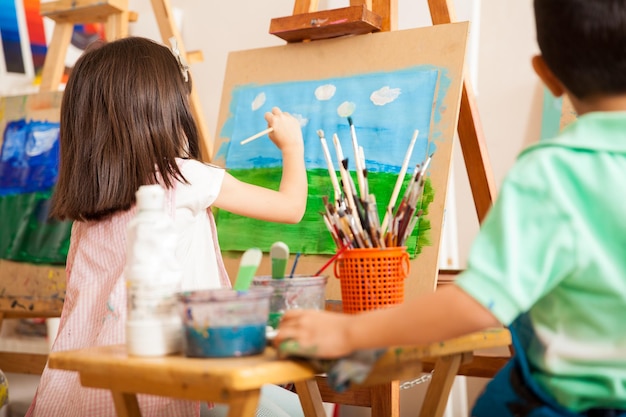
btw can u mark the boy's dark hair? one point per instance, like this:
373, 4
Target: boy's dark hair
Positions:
583, 42
125, 117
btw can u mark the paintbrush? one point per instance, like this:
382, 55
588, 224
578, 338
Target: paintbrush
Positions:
422, 180
346, 180
295, 263
409, 204
355, 146
279, 253
257, 135
362, 222
334, 220
364, 171
350, 228
409, 230
330, 261
375, 220
331, 229
396, 188
248, 265
355, 209
330, 221
331, 168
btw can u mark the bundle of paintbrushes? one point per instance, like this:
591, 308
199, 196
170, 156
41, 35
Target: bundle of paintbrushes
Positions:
352, 219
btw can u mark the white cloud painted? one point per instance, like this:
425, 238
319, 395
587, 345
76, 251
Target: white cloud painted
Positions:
258, 101
385, 95
301, 119
41, 141
346, 109
325, 92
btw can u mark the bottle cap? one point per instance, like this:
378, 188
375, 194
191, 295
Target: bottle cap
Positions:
150, 197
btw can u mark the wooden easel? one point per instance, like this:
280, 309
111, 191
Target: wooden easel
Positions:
366, 16
115, 15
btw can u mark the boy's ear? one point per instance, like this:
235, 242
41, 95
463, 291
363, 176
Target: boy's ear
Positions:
547, 76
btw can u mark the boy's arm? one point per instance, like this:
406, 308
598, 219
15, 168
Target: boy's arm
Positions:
287, 205
444, 314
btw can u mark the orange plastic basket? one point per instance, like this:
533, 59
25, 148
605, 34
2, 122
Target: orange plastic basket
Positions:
372, 278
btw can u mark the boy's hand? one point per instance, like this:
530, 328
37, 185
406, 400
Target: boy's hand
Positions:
314, 333
287, 134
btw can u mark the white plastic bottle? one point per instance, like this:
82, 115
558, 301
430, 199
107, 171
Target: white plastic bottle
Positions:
153, 277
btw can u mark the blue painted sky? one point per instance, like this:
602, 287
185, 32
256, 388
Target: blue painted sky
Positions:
386, 108
29, 156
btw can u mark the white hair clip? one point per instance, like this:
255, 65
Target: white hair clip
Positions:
184, 68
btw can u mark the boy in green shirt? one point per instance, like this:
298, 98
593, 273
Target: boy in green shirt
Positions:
550, 258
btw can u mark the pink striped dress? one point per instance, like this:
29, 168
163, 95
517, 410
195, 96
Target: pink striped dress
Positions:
94, 311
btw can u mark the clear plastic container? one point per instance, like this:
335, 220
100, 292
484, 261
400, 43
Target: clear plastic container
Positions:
300, 291
223, 322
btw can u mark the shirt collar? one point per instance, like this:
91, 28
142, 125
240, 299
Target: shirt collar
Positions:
597, 131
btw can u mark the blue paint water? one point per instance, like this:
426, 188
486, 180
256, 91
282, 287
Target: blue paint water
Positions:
224, 342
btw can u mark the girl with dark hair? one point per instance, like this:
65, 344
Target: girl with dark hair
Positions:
126, 122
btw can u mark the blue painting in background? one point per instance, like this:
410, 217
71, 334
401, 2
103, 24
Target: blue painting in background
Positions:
10, 36
386, 108
29, 158
29, 167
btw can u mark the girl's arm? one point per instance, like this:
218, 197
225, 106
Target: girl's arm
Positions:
444, 314
287, 205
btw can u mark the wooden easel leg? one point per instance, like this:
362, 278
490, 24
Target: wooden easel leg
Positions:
245, 405
126, 404
446, 369
206, 144
310, 398
475, 154
367, 3
386, 400
305, 6
116, 26
54, 65
470, 129
165, 21
388, 10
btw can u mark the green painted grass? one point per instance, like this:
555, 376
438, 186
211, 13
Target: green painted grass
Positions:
310, 236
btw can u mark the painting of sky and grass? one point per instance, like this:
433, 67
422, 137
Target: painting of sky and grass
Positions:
385, 107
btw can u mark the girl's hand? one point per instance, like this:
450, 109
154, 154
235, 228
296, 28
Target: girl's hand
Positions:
287, 134
315, 333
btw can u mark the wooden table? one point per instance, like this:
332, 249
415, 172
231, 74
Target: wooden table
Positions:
237, 381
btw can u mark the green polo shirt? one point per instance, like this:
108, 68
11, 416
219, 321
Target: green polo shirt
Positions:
554, 246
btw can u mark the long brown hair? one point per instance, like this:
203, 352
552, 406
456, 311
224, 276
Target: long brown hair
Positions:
125, 117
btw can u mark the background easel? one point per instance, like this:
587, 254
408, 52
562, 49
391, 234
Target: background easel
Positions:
365, 16
115, 15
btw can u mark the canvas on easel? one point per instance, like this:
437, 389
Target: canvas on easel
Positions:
393, 82
32, 247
